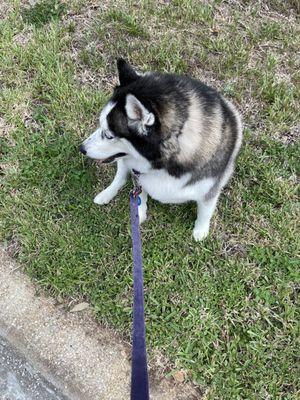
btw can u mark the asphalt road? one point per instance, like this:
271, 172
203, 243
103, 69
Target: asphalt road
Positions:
19, 380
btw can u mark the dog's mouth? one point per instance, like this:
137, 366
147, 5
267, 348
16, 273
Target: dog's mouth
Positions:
111, 158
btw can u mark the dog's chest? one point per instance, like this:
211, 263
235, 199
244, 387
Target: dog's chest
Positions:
167, 189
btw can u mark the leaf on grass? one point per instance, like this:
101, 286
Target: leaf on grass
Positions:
179, 376
80, 307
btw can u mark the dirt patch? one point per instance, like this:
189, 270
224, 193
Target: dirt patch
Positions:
5, 9
291, 136
5, 130
24, 37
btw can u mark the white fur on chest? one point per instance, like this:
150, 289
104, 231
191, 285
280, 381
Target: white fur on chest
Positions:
161, 186
167, 189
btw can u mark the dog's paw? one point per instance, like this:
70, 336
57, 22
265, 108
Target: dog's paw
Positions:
200, 233
142, 216
104, 197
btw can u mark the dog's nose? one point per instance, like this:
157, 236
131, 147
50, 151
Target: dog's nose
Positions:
82, 149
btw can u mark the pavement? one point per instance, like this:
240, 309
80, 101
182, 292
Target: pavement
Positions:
48, 353
20, 380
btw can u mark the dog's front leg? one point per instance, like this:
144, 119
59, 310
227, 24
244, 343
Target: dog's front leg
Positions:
204, 214
143, 206
119, 181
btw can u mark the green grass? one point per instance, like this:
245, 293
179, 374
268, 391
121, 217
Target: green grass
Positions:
225, 310
43, 12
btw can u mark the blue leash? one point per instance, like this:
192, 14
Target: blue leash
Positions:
139, 370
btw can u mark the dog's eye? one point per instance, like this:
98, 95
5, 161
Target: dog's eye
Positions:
107, 135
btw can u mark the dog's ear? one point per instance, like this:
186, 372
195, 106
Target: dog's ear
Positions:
137, 111
127, 74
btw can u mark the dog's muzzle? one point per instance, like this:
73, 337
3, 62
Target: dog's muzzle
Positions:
104, 160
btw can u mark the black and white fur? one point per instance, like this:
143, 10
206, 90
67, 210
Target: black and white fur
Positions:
181, 135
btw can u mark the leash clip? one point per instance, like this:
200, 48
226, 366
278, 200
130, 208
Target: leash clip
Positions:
137, 188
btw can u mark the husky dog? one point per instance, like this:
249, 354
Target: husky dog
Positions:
179, 134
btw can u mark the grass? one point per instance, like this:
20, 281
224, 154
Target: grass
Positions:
224, 310
43, 12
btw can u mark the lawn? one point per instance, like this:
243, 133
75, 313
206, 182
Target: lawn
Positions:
223, 310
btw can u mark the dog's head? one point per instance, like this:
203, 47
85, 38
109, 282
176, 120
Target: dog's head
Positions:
128, 122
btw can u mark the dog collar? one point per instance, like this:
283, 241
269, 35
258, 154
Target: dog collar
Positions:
135, 172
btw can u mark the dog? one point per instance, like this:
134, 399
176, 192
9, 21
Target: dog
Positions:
181, 135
